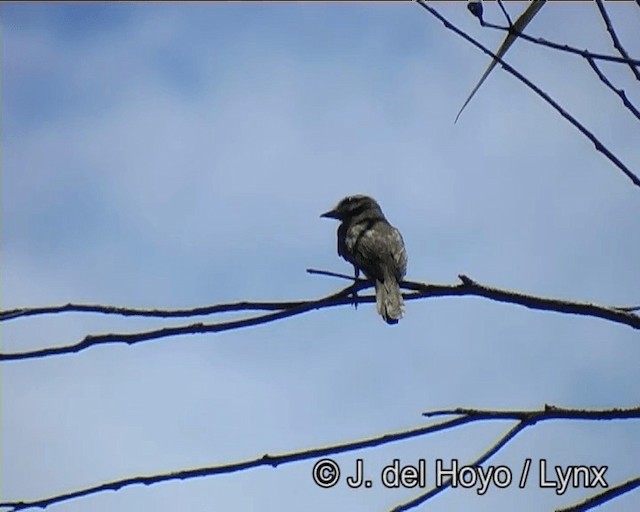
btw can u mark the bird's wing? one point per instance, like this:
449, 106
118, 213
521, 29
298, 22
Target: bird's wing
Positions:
380, 250
399, 254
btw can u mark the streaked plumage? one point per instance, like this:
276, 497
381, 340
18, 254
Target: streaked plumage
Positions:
371, 244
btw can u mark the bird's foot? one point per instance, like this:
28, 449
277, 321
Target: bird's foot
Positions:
354, 296
356, 275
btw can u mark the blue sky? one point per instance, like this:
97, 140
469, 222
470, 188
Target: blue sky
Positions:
176, 155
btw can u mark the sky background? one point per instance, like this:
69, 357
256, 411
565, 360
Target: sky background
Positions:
162, 155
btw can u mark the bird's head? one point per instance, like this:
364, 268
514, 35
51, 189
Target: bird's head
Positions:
351, 206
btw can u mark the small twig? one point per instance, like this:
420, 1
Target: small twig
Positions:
628, 309
614, 38
619, 92
12, 314
506, 14
503, 440
598, 145
314, 271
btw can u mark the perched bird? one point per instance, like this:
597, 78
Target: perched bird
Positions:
371, 244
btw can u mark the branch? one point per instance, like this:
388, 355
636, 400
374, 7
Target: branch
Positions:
526, 418
598, 145
562, 47
603, 497
467, 416
628, 308
506, 14
467, 287
265, 460
549, 412
619, 92
90, 340
614, 38
12, 314
513, 432
317, 272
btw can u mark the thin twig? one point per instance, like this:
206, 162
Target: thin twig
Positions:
628, 308
12, 314
317, 272
598, 145
619, 92
608, 495
503, 440
506, 14
614, 38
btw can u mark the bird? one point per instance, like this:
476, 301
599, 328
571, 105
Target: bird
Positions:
372, 245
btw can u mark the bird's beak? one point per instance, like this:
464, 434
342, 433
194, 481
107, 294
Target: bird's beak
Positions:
331, 214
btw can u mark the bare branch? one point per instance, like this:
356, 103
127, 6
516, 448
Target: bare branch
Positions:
316, 272
418, 500
603, 497
526, 418
563, 47
614, 37
628, 308
547, 413
619, 92
265, 460
598, 145
466, 416
471, 287
467, 287
11, 314
506, 14
199, 328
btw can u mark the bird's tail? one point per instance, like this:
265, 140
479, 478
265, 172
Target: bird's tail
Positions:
389, 300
